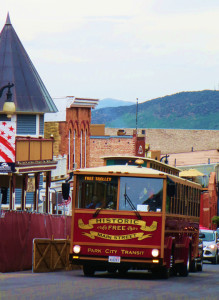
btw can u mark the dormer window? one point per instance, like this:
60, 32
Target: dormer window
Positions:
30, 125
26, 124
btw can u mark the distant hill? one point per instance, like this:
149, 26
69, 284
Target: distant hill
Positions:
185, 110
109, 102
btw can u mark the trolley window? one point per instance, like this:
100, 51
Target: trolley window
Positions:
97, 192
142, 194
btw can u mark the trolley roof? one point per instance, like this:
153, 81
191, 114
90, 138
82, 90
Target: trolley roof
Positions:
124, 157
129, 170
122, 169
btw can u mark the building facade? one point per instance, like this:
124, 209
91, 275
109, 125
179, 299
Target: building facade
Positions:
32, 153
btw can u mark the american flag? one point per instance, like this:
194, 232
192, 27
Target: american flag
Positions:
65, 202
7, 141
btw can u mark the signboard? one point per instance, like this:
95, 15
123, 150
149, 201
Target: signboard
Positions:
140, 147
31, 184
6, 167
7, 145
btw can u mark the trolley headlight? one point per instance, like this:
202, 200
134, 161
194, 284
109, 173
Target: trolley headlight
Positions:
155, 252
76, 249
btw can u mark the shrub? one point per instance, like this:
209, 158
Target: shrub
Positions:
215, 220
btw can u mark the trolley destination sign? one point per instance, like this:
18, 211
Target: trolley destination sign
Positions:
97, 178
140, 225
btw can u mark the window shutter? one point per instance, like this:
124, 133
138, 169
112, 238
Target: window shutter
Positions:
26, 124
41, 124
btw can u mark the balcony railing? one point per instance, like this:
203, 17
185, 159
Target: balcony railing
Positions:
33, 149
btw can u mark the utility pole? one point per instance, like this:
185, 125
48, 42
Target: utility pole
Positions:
136, 116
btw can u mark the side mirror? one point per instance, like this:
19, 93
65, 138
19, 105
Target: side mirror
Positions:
65, 190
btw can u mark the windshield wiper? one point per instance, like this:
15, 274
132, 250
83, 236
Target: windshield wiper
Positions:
132, 205
97, 212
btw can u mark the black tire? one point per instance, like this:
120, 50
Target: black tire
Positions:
200, 266
165, 273
88, 270
194, 266
122, 271
184, 268
112, 270
215, 259
161, 273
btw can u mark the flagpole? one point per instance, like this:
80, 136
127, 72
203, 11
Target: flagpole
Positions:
136, 116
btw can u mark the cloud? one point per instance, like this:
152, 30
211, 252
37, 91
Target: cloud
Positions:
119, 48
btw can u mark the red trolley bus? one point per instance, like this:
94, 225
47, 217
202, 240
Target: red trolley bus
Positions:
127, 217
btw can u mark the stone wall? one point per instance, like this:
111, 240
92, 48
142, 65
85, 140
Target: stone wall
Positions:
52, 128
204, 157
176, 140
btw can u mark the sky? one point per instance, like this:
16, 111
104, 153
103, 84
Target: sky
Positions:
121, 49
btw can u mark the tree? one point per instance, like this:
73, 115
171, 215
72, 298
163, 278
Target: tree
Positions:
215, 220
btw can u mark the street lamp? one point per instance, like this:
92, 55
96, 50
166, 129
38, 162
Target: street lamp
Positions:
9, 106
166, 159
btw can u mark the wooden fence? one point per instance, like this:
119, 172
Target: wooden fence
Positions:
50, 255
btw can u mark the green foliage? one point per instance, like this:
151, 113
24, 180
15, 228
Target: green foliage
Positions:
186, 110
215, 220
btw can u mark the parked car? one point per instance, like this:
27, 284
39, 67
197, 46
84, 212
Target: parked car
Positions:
210, 248
217, 230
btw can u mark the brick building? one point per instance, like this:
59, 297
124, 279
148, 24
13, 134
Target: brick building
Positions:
118, 144
70, 128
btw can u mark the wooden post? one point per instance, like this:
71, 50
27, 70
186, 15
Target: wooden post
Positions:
48, 182
36, 192
24, 192
12, 192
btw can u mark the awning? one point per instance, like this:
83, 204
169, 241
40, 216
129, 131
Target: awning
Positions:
190, 173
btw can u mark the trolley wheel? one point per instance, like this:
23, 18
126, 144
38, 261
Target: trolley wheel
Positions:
184, 268
112, 269
88, 270
162, 273
194, 266
200, 266
122, 271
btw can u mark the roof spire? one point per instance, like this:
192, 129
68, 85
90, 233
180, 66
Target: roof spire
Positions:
8, 21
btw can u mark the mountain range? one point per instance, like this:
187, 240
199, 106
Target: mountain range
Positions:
110, 102
184, 110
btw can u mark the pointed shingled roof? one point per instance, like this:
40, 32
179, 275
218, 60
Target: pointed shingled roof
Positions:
29, 93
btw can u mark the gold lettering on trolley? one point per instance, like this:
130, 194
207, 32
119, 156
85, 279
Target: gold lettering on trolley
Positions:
93, 250
132, 252
88, 178
115, 252
111, 251
139, 235
97, 178
140, 223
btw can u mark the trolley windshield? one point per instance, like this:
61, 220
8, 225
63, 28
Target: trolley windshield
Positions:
122, 193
